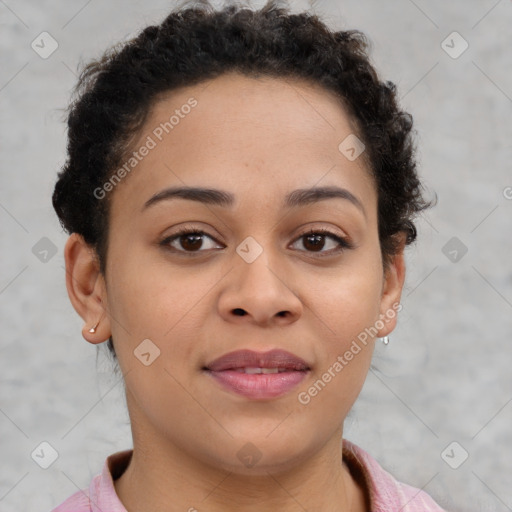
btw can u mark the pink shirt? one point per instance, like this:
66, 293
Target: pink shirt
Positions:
386, 493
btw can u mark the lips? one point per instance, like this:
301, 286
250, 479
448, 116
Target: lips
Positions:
258, 375
241, 359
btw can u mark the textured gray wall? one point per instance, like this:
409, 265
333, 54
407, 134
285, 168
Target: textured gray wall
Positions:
445, 376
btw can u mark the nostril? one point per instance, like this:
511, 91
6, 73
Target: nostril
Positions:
239, 312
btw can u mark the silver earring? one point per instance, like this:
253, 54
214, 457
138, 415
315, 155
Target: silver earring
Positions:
385, 340
92, 330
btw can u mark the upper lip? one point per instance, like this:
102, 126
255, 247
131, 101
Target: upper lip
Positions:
249, 359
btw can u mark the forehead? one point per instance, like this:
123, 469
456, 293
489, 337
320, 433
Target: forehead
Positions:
245, 133
238, 108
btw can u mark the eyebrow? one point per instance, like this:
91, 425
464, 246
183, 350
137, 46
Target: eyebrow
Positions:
299, 197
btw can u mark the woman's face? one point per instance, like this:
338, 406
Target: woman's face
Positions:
254, 279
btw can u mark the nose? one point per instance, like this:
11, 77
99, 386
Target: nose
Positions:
259, 294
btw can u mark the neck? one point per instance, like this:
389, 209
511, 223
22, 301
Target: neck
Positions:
162, 478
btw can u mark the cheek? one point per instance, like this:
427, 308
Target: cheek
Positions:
344, 308
344, 352
159, 302
347, 300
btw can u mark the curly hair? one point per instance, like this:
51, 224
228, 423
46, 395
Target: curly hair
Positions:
114, 95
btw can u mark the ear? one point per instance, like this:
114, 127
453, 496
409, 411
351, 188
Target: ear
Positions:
86, 288
393, 282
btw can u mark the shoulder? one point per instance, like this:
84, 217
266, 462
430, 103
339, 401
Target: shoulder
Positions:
385, 493
101, 495
78, 502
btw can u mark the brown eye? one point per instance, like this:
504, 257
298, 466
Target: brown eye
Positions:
317, 240
189, 241
314, 242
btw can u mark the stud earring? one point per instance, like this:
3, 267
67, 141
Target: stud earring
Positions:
385, 340
92, 330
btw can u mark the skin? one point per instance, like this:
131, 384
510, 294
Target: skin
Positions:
257, 139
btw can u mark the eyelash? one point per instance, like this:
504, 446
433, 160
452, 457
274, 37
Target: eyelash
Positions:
344, 243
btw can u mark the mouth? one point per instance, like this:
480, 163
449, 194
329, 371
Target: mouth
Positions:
273, 361
256, 370
258, 375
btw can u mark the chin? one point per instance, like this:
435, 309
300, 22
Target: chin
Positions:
261, 456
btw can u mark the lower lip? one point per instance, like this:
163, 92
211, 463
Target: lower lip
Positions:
259, 385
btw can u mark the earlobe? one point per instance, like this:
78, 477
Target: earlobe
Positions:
86, 288
394, 278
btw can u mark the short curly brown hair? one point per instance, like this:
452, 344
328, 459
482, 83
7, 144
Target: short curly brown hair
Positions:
194, 44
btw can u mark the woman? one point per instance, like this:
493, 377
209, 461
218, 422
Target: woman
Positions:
239, 191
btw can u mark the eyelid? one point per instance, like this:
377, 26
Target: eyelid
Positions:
185, 230
343, 242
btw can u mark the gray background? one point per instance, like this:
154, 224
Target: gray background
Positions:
444, 377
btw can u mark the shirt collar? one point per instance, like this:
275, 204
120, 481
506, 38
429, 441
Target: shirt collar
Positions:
385, 492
